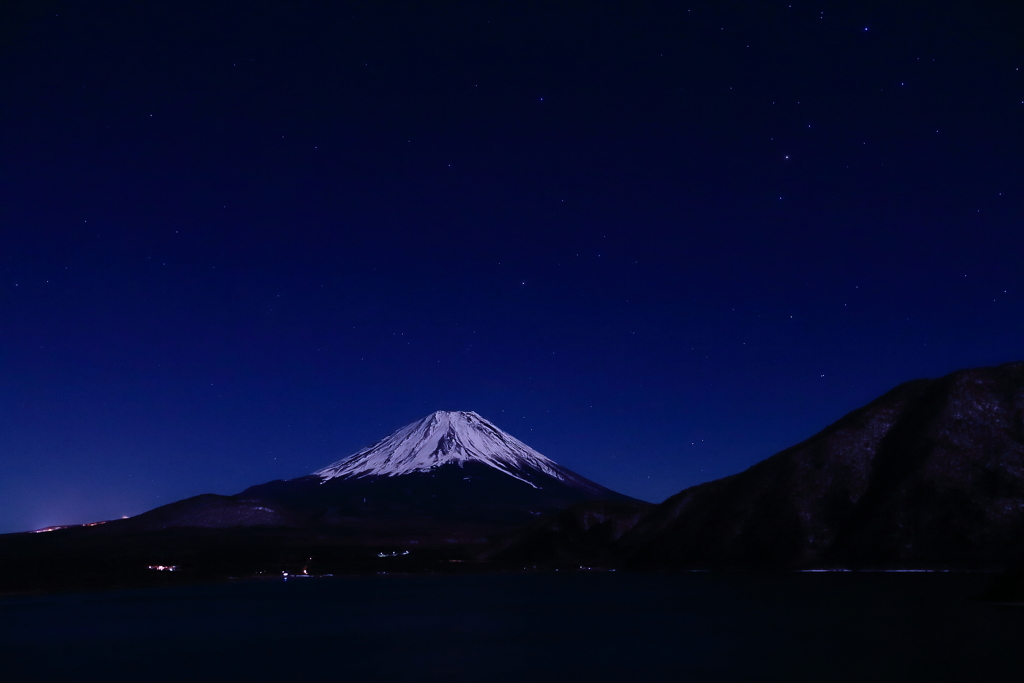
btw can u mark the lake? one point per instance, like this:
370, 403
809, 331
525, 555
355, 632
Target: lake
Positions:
524, 627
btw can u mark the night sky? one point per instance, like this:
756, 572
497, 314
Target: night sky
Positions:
658, 242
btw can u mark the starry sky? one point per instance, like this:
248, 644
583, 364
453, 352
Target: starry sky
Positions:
658, 242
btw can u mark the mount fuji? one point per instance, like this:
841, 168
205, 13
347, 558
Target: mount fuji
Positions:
433, 493
452, 474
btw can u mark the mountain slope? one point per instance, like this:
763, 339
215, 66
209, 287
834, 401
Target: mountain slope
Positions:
930, 474
581, 534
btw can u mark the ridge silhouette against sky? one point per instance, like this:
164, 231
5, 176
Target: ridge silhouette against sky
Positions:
656, 242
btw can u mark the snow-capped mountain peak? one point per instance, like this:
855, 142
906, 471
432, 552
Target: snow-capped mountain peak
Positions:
441, 438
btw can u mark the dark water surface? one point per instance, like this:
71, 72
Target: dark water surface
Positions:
551, 627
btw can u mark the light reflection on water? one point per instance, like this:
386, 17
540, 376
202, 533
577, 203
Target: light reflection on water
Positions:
597, 627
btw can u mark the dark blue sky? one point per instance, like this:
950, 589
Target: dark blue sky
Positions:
658, 242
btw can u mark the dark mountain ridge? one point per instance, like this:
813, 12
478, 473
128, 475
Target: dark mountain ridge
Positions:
929, 475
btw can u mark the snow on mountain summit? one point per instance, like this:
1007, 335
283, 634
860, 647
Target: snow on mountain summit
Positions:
446, 437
